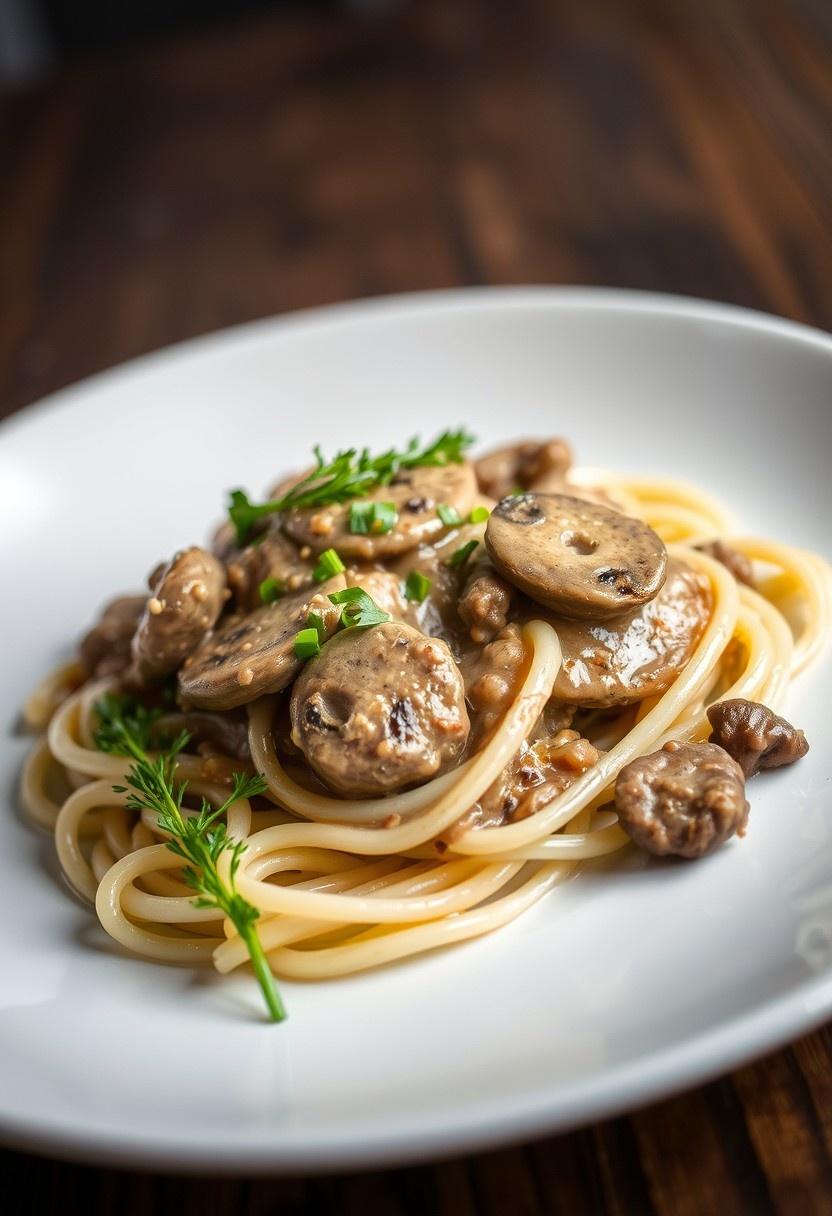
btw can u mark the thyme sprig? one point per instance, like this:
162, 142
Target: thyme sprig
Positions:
352, 473
200, 840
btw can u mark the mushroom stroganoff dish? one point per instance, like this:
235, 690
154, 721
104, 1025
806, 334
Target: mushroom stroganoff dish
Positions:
393, 703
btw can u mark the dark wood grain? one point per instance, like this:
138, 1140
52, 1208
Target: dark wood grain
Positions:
290, 162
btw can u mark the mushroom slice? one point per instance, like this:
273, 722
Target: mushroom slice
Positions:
105, 650
380, 709
579, 558
535, 464
254, 654
186, 602
638, 654
414, 494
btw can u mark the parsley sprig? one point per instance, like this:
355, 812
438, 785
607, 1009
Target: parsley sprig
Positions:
351, 474
125, 728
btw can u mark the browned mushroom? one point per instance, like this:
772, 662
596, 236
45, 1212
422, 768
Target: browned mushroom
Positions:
414, 495
105, 650
380, 709
636, 655
531, 465
685, 800
739, 565
187, 600
254, 654
578, 558
755, 736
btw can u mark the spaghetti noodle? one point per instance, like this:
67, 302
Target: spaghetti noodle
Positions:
343, 884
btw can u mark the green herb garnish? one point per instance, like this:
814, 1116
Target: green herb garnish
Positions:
315, 621
359, 609
460, 556
416, 586
198, 839
376, 517
351, 474
479, 515
270, 590
307, 643
450, 517
328, 565
129, 715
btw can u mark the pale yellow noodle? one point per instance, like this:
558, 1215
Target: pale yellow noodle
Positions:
338, 891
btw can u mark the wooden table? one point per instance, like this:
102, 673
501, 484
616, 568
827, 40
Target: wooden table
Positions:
290, 162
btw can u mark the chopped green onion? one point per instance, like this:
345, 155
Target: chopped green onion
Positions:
329, 564
461, 555
270, 590
450, 517
360, 610
316, 621
479, 515
307, 644
416, 587
351, 474
376, 517
385, 518
361, 516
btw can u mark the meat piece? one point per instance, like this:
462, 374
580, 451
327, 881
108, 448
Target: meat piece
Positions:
493, 675
541, 770
580, 559
685, 800
223, 734
634, 656
739, 565
755, 736
438, 614
484, 604
272, 556
105, 650
380, 709
533, 465
254, 654
414, 493
188, 596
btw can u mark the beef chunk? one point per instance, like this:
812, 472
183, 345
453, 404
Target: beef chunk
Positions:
685, 800
755, 736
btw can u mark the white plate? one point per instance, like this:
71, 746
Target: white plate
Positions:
624, 984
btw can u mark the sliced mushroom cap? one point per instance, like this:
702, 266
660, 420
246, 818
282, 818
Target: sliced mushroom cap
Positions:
254, 654
636, 655
534, 464
187, 600
578, 558
105, 650
415, 495
380, 709
685, 800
